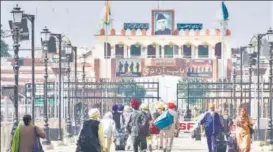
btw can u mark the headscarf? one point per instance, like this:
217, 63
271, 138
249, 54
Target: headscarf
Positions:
94, 113
135, 104
16, 139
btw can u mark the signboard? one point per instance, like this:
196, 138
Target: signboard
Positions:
184, 26
151, 71
136, 26
128, 67
160, 62
186, 126
162, 22
200, 68
164, 67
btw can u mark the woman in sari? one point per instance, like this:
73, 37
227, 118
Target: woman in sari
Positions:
243, 131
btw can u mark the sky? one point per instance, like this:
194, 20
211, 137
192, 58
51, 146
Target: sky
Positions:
79, 19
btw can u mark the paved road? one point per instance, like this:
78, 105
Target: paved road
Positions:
184, 143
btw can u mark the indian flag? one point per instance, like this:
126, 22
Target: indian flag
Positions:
107, 12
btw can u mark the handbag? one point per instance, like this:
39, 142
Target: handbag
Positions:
37, 147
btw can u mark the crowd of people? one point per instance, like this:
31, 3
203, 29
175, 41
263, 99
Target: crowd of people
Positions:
128, 127
221, 134
134, 127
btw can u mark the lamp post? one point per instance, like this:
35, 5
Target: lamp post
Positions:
234, 64
45, 38
31, 18
270, 127
76, 82
83, 61
68, 52
251, 62
59, 37
17, 18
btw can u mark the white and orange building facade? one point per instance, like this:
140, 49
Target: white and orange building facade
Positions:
138, 50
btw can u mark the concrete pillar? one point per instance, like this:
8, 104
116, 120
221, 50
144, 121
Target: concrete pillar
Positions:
180, 53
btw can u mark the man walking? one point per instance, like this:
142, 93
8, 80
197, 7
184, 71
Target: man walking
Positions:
138, 127
212, 123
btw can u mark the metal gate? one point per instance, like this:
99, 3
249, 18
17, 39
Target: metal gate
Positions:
91, 94
225, 94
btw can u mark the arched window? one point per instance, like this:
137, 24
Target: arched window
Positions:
135, 50
119, 50
218, 50
187, 51
168, 51
203, 51
107, 50
151, 51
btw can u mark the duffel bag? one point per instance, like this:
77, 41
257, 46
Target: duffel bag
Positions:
164, 120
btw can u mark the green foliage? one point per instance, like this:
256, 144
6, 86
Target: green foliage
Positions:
191, 89
4, 46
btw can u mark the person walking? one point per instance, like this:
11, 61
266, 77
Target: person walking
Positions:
144, 108
137, 127
27, 137
170, 132
227, 122
243, 130
212, 124
127, 113
159, 139
116, 116
109, 130
91, 136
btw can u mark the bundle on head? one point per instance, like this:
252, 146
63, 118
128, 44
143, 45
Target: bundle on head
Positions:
135, 104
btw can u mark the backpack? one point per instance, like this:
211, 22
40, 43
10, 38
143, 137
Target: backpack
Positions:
138, 124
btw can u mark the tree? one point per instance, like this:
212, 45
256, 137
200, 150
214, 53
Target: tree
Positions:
192, 90
4, 45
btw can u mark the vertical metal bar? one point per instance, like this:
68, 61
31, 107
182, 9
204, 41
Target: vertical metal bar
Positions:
241, 72
59, 36
33, 67
258, 60
47, 141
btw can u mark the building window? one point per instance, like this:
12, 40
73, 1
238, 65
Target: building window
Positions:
218, 50
151, 51
168, 51
135, 50
187, 51
119, 51
107, 50
203, 51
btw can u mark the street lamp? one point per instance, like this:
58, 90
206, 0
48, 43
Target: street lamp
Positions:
76, 83
68, 52
59, 37
251, 62
45, 35
83, 61
234, 64
17, 18
270, 127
